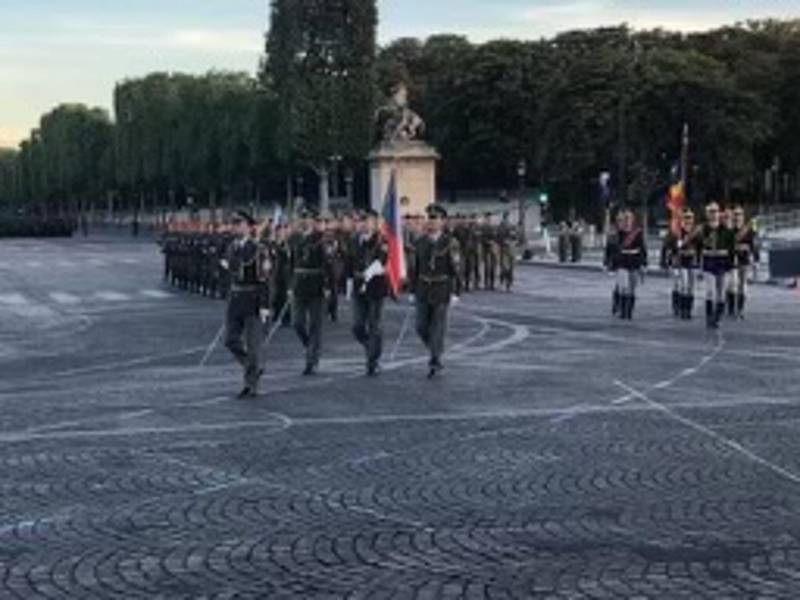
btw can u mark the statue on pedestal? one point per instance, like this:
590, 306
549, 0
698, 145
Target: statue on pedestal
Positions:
395, 121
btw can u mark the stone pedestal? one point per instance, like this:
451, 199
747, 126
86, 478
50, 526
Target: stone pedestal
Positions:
415, 166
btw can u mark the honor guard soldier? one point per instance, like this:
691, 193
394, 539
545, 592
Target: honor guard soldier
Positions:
746, 256
717, 247
434, 274
312, 281
611, 259
681, 255
248, 303
370, 288
632, 260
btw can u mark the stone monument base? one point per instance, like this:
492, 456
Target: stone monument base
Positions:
414, 163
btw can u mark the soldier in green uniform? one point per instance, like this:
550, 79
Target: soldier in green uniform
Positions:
507, 240
312, 281
248, 304
473, 255
434, 276
491, 252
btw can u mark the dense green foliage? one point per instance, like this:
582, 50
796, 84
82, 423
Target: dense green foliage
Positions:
571, 106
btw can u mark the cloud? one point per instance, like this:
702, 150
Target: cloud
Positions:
233, 40
10, 136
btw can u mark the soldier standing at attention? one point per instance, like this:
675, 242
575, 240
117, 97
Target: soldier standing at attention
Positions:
473, 255
507, 239
370, 288
434, 274
248, 303
312, 281
491, 252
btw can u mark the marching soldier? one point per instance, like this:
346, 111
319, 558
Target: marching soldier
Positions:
632, 259
683, 257
370, 288
248, 305
312, 281
281, 274
717, 247
435, 272
746, 255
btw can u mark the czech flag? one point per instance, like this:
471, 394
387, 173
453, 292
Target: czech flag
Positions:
393, 232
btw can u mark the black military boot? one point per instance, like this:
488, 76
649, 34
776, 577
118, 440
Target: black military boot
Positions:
434, 368
631, 306
730, 297
615, 303
740, 301
689, 307
720, 312
676, 303
711, 322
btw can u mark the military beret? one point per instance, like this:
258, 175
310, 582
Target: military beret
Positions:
436, 212
241, 216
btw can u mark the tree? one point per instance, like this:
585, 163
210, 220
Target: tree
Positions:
320, 61
9, 178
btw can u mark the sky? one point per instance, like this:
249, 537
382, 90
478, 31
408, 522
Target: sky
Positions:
54, 51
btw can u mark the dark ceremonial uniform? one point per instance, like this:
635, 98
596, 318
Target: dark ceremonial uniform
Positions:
669, 262
337, 257
745, 256
632, 258
460, 233
717, 248
312, 280
249, 267
434, 277
281, 278
611, 264
681, 254
410, 239
369, 296
507, 240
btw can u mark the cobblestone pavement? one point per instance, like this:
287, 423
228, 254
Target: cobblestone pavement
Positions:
561, 455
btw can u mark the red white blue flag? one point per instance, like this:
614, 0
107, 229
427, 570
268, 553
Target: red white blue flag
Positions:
393, 232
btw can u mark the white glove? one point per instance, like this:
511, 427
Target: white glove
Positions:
348, 293
224, 264
374, 270
264, 314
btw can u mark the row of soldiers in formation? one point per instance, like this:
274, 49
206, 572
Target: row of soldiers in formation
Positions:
281, 273
720, 253
192, 250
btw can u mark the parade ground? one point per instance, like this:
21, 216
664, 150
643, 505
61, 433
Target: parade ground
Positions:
561, 454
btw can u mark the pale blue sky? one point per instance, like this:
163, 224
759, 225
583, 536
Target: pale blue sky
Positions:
54, 51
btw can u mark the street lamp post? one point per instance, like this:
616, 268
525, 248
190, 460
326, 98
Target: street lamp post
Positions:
349, 177
522, 171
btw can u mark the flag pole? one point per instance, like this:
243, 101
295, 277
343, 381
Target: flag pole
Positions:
685, 160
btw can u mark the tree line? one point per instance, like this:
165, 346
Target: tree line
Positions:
568, 108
